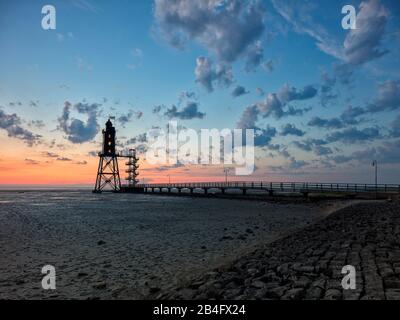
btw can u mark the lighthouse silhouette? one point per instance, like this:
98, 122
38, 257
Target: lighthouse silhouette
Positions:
108, 171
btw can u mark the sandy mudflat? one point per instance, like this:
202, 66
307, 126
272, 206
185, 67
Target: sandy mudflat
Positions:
129, 246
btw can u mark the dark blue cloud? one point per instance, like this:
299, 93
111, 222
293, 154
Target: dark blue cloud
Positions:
11, 123
239, 91
190, 111
76, 130
290, 129
354, 135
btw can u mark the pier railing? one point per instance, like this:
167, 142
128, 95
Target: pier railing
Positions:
283, 186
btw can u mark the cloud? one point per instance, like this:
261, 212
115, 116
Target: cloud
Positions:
263, 137
125, 118
313, 145
81, 163
386, 153
15, 103
50, 154
260, 91
344, 73
37, 124
76, 130
303, 145
229, 29
334, 123
297, 164
395, 127
275, 103
362, 44
137, 55
63, 159
248, 118
322, 150
31, 162
254, 57
350, 115
288, 93
290, 129
85, 5
157, 109
239, 91
11, 123
207, 74
83, 65
34, 103
269, 65
185, 95
326, 89
388, 97
190, 111
299, 15
141, 138
354, 135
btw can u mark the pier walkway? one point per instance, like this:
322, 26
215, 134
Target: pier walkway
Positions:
271, 188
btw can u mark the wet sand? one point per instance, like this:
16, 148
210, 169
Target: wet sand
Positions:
125, 246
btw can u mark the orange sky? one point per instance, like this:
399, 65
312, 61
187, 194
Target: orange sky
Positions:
23, 165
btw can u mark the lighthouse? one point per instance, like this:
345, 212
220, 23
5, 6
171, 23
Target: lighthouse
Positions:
108, 171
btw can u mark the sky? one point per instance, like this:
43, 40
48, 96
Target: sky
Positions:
324, 101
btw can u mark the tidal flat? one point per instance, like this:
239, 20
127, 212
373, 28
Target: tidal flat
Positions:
130, 246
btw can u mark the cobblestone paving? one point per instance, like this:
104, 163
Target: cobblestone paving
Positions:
308, 264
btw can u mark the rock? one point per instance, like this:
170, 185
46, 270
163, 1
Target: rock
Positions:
293, 294
386, 272
303, 282
196, 284
154, 289
393, 294
275, 293
333, 294
258, 284
226, 238
252, 271
392, 283
100, 285
233, 293
242, 237
283, 268
314, 293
